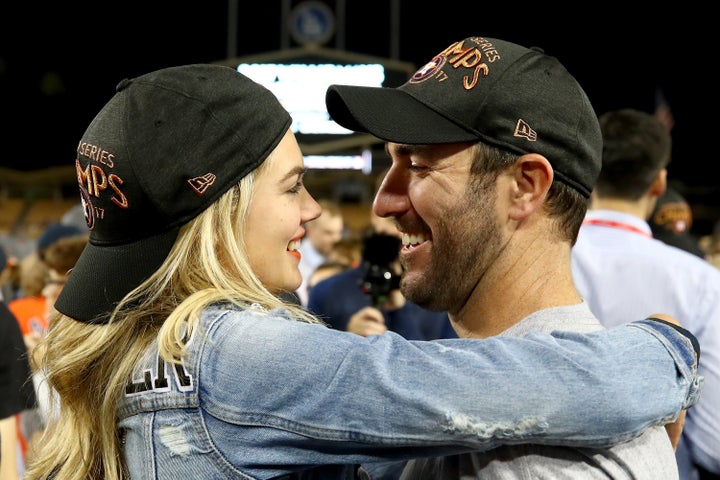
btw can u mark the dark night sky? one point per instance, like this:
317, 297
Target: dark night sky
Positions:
59, 63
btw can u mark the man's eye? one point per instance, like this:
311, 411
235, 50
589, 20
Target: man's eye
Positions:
416, 166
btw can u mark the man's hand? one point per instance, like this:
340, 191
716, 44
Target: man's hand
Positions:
366, 322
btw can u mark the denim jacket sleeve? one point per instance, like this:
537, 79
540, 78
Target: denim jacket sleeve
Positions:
383, 391
286, 392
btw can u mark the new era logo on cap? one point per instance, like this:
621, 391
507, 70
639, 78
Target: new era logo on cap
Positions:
523, 130
202, 183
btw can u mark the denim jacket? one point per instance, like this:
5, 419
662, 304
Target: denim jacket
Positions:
260, 395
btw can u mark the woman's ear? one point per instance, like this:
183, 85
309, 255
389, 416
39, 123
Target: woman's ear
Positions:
532, 177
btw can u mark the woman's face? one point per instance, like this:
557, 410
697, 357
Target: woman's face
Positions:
279, 209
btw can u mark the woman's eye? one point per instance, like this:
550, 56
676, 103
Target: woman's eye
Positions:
297, 188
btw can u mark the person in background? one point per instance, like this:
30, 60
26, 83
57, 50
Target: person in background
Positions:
495, 149
620, 269
59, 258
347, 253
18, 394
74, 216
671, 220
29, 304
173, 355
10, 279
321, 235
30, 307
325, 270
711, 245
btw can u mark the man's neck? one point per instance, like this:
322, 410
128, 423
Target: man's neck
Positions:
641, 208
521, 281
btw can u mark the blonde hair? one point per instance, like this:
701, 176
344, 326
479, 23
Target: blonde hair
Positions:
89, 365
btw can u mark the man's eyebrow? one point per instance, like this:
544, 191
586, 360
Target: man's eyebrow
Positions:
405, 149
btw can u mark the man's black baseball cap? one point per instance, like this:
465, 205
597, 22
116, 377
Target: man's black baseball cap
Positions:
484, 89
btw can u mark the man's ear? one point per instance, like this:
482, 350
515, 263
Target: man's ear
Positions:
533, 176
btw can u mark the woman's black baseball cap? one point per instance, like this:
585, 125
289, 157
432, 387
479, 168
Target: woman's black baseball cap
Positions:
165, 147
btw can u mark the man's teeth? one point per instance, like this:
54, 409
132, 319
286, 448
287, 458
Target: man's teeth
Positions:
412, 239
294, 245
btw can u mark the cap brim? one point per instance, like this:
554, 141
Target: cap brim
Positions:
392, 115
103, 275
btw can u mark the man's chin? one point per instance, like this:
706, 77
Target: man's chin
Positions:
412, 286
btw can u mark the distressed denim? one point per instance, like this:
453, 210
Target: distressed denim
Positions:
260, 395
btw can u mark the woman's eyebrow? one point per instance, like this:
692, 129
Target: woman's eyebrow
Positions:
295, 172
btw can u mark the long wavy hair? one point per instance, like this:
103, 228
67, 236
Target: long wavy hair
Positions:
88, 366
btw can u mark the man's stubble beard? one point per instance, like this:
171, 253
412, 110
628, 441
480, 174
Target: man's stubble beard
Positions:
464, 243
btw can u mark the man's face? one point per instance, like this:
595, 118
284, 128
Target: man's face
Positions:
450, 231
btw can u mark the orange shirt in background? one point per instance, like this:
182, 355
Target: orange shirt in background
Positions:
31, 314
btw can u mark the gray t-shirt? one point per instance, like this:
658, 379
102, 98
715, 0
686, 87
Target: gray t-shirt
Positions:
650, 456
